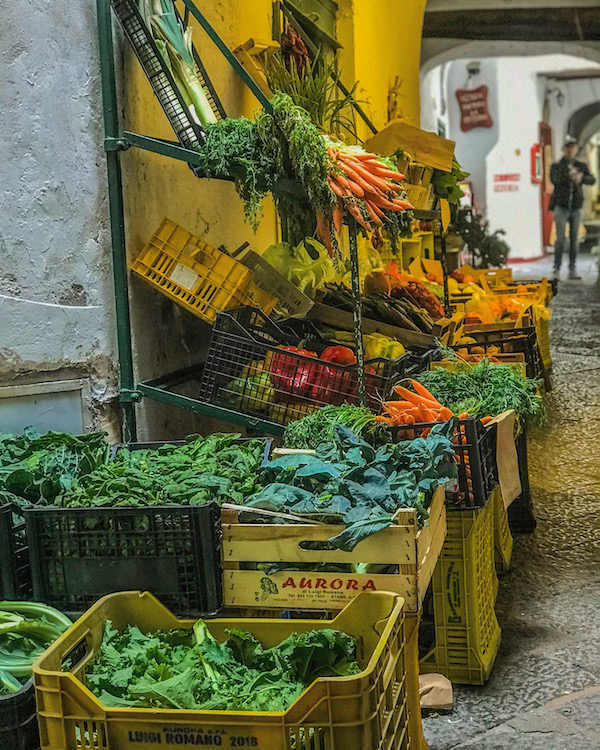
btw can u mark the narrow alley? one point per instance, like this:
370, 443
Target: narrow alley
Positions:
544, 692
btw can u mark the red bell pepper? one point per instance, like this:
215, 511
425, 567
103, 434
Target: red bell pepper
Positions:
291, 374
333, 385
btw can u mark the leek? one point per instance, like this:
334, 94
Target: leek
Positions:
175, 45
26, 630
8, 683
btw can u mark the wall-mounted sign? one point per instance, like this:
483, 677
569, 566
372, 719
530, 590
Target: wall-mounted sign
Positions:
506, 183
536, 163
474, 111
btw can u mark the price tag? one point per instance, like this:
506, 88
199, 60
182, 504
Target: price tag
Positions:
184, 276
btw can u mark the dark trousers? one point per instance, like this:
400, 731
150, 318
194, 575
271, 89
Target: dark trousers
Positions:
562, 217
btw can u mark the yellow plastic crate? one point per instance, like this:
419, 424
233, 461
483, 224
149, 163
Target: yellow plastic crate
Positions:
542, 328
270, 281
411, 640
503, 540
467, 633
197, 276
414, 551
363, 712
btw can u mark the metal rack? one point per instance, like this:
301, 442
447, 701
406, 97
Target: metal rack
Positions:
167, 389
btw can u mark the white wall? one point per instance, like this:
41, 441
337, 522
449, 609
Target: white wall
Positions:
56, 305
516, 210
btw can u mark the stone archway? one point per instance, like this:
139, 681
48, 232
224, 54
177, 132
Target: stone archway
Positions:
585, 122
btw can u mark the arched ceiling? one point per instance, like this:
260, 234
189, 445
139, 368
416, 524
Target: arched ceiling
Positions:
523, 20
499, 28
584, 123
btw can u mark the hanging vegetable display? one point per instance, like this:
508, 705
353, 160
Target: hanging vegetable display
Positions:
286, 145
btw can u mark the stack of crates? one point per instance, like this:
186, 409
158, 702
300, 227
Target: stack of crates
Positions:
464, 585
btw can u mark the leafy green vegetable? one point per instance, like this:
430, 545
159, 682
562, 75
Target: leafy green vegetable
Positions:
486, 390
186, 669
8, 683
37, 468
318, 426
204, 469
445, 184
350, 482
284, 145
26, 630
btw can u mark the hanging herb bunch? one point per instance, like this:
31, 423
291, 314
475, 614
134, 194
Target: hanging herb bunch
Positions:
284, 145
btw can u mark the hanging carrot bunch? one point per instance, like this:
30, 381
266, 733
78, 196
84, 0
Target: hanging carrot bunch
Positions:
366, 187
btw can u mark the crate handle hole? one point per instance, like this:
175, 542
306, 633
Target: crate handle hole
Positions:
73, 659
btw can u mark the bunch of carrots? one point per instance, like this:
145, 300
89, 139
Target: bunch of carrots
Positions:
365, 187
417, 408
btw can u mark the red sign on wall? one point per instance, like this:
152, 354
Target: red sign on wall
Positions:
474, 112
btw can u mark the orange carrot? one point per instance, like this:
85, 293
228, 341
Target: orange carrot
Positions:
399, 404
354, 210
361, 157
337, 189
429, 415
377, 210
390, 175
387, 420
338, 218
486, 420
464, 415
422, 391
371, 178
338, 177
446, 413
373, 215
408, 395
355, 177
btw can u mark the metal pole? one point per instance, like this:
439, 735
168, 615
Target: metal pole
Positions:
357, 311
445, 273
117, 221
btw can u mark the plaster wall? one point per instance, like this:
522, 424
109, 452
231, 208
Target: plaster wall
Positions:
56, 302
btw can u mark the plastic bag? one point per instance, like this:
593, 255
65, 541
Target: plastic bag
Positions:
307, 266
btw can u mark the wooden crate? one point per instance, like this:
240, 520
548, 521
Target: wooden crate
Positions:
252, 55
415, 552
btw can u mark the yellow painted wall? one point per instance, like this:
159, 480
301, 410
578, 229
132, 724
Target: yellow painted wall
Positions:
156, 186
382, 40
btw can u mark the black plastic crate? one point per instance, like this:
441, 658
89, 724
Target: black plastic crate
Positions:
511, 341
15, 571
81, 554
475, 449
521, 518
419, 359
18, 720
246, 343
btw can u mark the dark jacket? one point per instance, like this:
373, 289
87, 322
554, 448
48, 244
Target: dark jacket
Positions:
567, 193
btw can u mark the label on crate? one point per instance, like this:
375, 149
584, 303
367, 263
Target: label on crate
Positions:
311, 590
184, 276
172, 736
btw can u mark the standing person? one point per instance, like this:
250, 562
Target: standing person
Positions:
568, 177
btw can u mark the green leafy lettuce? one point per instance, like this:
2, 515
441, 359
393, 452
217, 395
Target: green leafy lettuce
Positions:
190, 669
